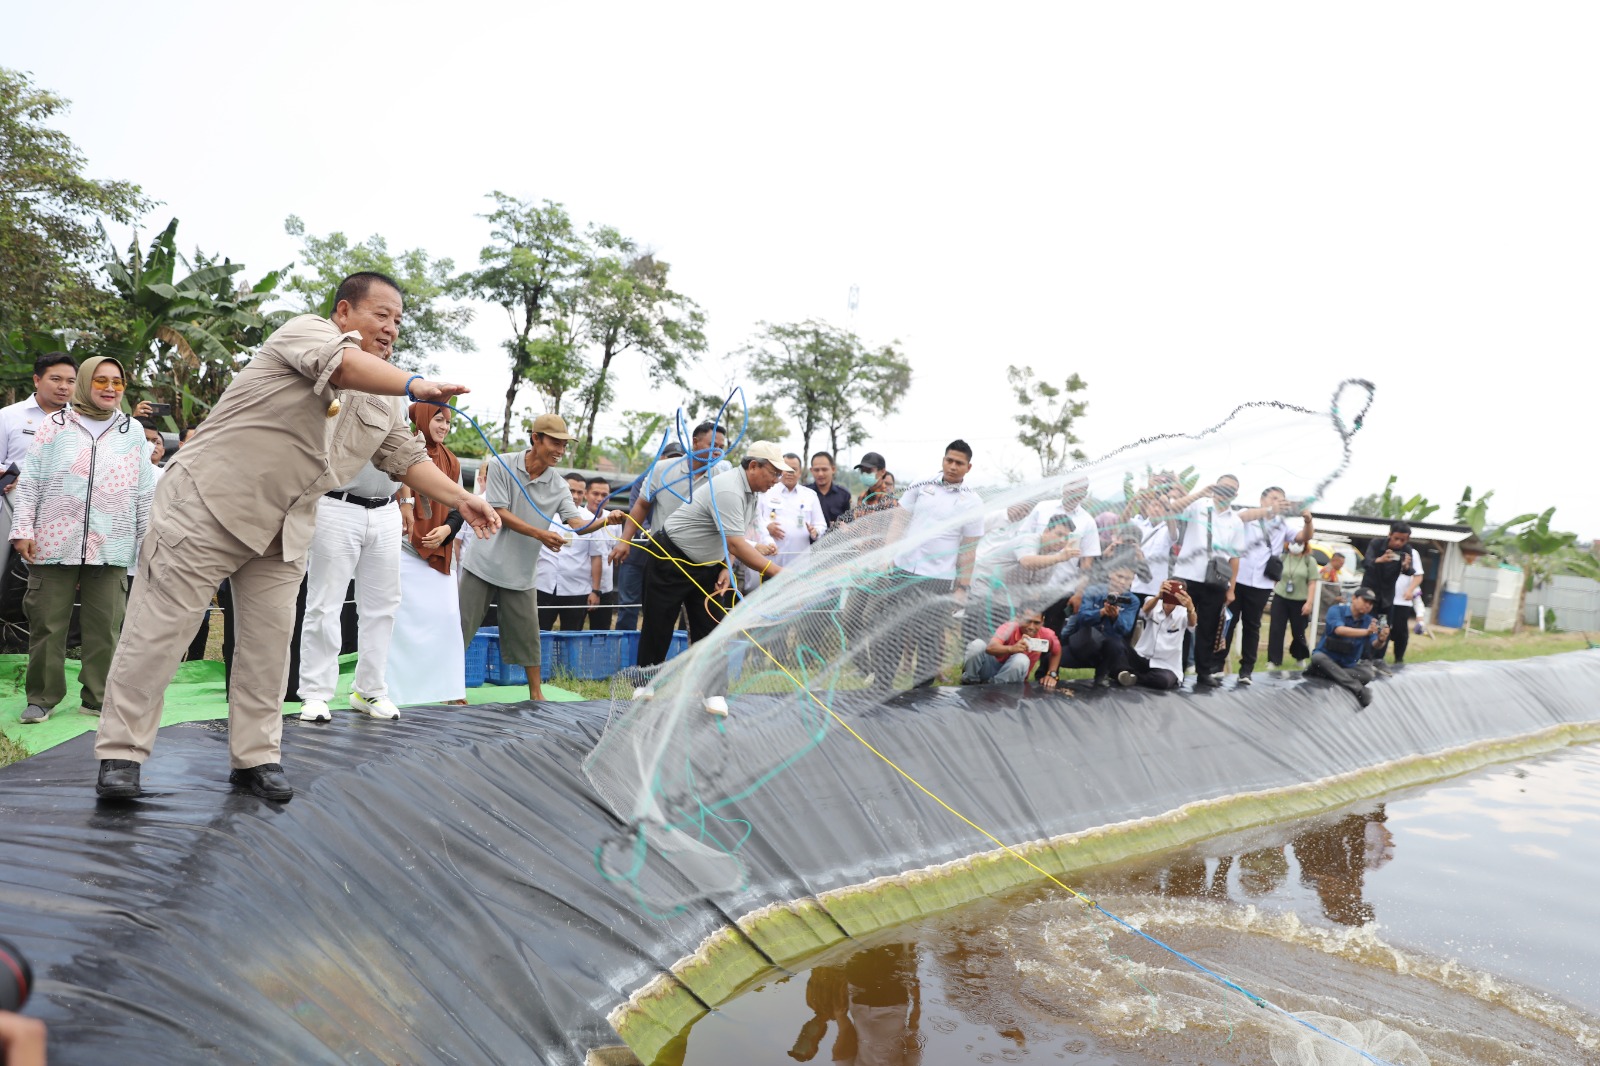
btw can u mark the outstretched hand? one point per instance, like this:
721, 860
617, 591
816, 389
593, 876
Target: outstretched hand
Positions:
483, 519
437, 391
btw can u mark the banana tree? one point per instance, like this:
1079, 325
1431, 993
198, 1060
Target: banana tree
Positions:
185, 337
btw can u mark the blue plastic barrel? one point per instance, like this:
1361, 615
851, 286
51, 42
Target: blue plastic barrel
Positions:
1452, 613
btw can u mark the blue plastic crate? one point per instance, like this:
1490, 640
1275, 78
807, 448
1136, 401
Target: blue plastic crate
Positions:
477, 659
680, 643
595, 654
496, 671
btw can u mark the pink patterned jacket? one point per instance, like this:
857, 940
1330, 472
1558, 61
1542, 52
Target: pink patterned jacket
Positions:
81, 499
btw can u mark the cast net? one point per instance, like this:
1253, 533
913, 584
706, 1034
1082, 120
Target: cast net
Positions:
874, 609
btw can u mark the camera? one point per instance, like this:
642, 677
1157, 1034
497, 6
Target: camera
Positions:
16, 977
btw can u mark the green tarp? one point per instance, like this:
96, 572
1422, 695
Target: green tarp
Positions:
195, 695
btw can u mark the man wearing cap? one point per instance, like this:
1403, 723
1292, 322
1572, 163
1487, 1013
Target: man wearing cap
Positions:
687, 566
1340, 653
529, 496
673, 483
240, 502
630, 568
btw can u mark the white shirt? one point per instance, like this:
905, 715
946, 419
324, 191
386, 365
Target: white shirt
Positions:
942, 516
1402, 583
601, 542
1155, 540
18, 423
1162, 639
793, 510
1226, 537
1258, 548
566, 572
1085, 534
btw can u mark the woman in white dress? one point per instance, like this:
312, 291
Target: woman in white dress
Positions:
427, 663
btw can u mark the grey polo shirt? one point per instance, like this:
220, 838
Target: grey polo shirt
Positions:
669, 485
693, 526
510, 560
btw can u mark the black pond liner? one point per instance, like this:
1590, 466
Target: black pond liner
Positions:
431, 895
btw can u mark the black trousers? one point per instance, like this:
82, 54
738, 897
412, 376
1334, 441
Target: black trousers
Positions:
1250, 604
1287, 613
1152, 676
671, 586
1209, 604
907, 605
1115, 656
1354, 678
1400, 619
568, 610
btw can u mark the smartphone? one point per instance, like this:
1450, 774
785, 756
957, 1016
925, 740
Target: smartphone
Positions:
1038, 644
160, 410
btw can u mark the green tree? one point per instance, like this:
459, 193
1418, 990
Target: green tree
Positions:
433, 323
182, 337
625, 305
1048, 412
743, 422
532, 261
49, 214
826, 377
1393, 505
637, 444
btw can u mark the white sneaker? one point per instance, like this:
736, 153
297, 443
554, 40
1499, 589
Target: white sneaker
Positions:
315, 711
717, 705
380, 707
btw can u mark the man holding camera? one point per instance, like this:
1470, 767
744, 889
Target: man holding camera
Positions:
1260, 565
1012, 653
1393, 568
1340, 656
1208, 564
1097, 636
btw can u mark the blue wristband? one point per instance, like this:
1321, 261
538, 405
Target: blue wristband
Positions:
409, 380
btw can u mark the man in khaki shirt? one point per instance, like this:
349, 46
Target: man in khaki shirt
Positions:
239, 501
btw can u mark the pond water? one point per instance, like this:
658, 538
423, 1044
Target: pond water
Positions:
1449, 924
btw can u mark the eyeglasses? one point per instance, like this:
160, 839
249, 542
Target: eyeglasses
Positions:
109, 383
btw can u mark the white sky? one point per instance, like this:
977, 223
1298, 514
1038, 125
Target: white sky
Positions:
1190, 205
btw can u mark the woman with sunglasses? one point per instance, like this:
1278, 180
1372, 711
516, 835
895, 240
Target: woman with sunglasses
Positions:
82, 507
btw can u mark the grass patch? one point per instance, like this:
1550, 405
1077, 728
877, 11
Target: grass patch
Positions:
11, 751
1461, 645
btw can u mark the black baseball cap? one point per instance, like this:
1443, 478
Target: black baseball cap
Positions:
1364, 593
872, 461
672, 450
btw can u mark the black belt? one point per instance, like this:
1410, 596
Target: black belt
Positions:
359, 501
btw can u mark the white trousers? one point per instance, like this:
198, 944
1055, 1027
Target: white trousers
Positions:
357, 542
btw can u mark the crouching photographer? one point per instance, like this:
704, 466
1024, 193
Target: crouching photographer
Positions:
1341, 654
1098, 634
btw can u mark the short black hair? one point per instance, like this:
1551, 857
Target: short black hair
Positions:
50, 359
1231, 477
1400, 527
824, 455
792, 455
353, 289
597, 480
573, 475
705, 428
1057, 521
1273, 488
959, 445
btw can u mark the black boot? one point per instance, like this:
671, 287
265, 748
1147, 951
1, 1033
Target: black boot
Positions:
266, 781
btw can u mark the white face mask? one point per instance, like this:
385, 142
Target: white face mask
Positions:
1295, 548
